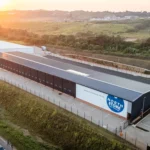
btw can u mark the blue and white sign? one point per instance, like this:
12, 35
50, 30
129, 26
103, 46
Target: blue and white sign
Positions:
108, 102
115, 104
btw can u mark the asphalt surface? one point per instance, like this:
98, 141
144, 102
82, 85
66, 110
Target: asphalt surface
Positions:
4, 144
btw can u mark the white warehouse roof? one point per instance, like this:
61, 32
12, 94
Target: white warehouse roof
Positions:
11, 47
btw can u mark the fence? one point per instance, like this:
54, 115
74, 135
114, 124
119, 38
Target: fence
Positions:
98, 65
119, 131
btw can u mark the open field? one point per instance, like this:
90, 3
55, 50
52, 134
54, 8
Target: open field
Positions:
73, 28
85, 39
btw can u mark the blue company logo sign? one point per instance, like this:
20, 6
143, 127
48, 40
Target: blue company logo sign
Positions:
115, 104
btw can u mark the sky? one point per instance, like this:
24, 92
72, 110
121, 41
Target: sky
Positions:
70, 5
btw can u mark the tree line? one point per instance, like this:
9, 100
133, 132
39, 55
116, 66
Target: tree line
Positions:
101, 43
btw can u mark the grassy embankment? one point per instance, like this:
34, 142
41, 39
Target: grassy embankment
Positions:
21, 141
51, 123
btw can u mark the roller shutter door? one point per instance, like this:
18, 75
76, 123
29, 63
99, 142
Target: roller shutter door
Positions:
58, 83
27, 73
34, 75
69, 87
21, 70
49, 80
41, 77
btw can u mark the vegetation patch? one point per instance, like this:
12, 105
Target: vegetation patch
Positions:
110, 44
20, 141
56, 125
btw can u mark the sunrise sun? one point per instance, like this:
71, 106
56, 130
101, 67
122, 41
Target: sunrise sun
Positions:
3, 3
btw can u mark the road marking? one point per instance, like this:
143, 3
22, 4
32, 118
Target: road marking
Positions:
78, 73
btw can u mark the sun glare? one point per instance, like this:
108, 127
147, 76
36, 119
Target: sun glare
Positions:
3, 3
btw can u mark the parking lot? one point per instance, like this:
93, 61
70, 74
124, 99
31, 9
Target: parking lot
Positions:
95, 115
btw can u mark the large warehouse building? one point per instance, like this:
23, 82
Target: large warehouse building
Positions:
123, 95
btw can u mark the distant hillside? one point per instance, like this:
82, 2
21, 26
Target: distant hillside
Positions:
67, 16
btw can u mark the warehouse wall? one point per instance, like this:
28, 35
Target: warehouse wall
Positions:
29, 50
57, 83
108, 102
137, 106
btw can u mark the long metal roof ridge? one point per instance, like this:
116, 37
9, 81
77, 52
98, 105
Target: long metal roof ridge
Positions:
95, 84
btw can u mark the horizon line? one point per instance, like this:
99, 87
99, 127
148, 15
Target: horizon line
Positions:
141, 11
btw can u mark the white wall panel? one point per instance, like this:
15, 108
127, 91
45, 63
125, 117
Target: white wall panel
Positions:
105, 101
11, 47
23, 50
129, 107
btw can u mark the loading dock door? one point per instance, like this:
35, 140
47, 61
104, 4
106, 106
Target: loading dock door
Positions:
21, 70
13, 67
34, 75
0, 63
49, 80
58, 83
41, 77
27, 73
16, 68
9, 66
6, 65
69, 87
3, 63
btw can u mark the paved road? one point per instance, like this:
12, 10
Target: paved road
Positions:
5, 145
